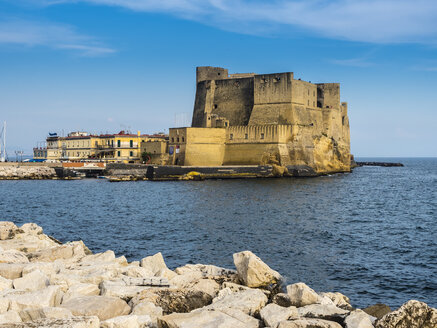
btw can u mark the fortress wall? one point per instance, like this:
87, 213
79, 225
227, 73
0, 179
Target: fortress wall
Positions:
205, 73
272, 99
304, 93
233, 99
272, 88
205, 147
328, 94
250, 153
202, 89
262, 143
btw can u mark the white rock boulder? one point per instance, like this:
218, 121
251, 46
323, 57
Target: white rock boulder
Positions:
254, 272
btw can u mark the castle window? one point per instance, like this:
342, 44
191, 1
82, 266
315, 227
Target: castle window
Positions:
314, 93
177, 140
308, 102
277, 79
215, 106
314, 103
218, 73
231, 136
246, 136
262, 135
308, 92
226, 123
172, 139
183, 139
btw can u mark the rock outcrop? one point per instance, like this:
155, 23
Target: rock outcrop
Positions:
47, 284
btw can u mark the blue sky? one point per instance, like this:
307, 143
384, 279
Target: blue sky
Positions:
108, 65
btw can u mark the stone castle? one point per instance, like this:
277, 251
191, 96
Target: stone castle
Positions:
252, 119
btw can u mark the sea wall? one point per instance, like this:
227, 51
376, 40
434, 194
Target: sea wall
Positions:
15, 171
44, 283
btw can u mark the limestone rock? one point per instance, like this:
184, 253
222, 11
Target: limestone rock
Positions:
413, 314
154, 263
254, 272
7, 230
137, 272
13, 256
320, 311
48, 268
47, 297
11, 270
67, 251
206, 271
32, 314
5, 283
282, 299
378, 310
166, 273
207, 286
100, 306
73, 322
272, 314
339, 300
358, 319
4, 304
9, 317
33, 281
300, 294
125, 321
201, 319
108, 256
147, 308
115, 289
81, 289
173, 299
248, 320
309, 323
31, 229
248, 301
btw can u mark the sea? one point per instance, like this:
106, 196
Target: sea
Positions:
370, 234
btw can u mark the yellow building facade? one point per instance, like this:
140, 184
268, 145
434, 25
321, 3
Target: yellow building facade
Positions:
112, 148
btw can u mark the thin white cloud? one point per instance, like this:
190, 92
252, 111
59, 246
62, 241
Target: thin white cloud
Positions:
57, 36
376, 21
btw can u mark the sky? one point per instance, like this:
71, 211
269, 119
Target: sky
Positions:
109, 65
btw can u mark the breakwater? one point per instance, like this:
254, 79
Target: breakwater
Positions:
45, 283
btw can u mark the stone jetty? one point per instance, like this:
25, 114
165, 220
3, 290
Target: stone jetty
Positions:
20, 172
44, 283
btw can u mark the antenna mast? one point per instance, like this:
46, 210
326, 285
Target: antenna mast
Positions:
3, 146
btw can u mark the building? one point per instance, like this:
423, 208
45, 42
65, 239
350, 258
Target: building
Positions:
112, 148
250, 119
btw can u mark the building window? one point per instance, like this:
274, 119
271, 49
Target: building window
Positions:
119, 153
131, 153
177, 140
183, 139
226, 123
231, 136
262, 135
308, 92
246, 136
172, 139
118, 144
314, 104
131, 143
308, 102
215, 106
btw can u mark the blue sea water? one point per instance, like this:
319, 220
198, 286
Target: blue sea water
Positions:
371, 234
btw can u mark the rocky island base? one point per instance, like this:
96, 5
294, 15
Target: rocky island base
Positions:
44, 283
